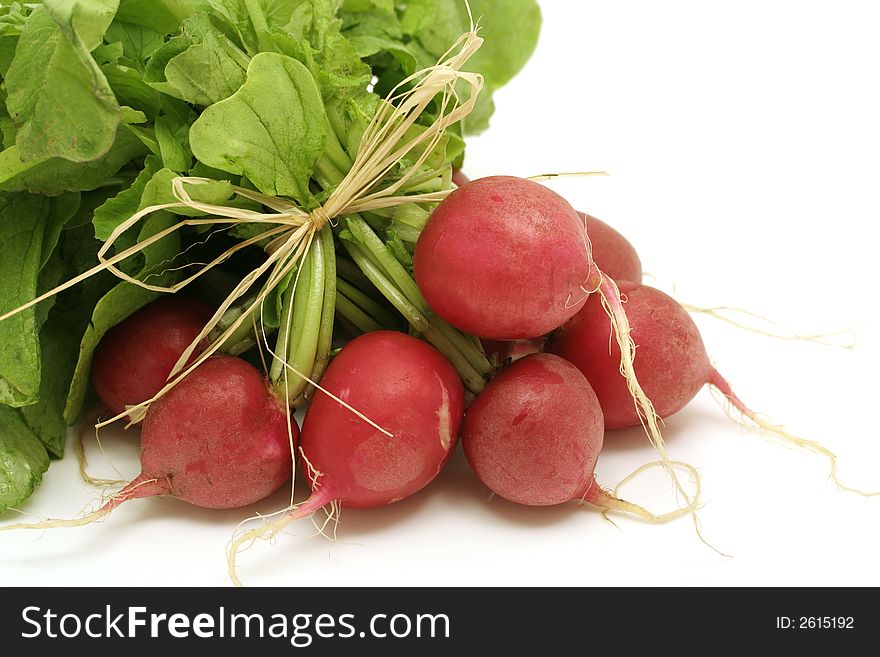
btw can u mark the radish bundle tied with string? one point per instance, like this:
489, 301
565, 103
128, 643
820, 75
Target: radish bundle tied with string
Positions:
392, 170
299, 242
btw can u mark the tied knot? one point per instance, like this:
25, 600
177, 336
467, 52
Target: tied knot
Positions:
319, 218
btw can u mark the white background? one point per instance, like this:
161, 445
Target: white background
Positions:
743, 144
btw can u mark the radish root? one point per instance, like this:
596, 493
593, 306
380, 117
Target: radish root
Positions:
774, 329
613, 306
720, 383
270, 529
688, 509
609, 500
91, 420
138, 488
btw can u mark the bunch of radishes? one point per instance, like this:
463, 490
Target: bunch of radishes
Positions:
503, 259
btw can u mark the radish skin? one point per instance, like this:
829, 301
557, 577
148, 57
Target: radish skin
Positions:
133, 360
534, 434
504, 258
402, 385
612, 252
217, 440
672, 364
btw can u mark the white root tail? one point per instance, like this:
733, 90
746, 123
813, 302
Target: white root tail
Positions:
720, 383
270, 529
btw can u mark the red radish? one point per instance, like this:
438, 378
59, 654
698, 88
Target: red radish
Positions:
504, 258
133, 360
534, 434
671, 361
389, 380
671, 364
612, 252
459, 179
219, 439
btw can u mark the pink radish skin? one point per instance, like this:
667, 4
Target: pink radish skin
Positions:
218, 440
404, 386
399, 383
504, 258
612, 252
133, 360
534, 434
671, 361
459, 179
671, 365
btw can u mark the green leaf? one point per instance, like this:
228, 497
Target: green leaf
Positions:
433, 25
367, 45
130, 89
7, 53
385, 6
22, 228
63, 209
53, 176
116, 210
138, 42
108, 53
89, 202
510, 29
57, 94
159, 191
252, 20
88, 19
61, 335
23, 459
373, 32
202, 66
272, 130
173, 139
163, 16
154, 73
313, 37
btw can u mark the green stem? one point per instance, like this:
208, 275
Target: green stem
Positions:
357, 317
286, 319
337, 125
368, 305
407, 285
349, 271
261, 25
335, 152
308, 304
243, 338
411, 215
328, 311
326, 172
473, 379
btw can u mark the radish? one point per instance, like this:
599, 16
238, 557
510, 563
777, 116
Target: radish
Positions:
534, 434
672, 363
409, 403
612, 252
504, 258
133, 360
219, 439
